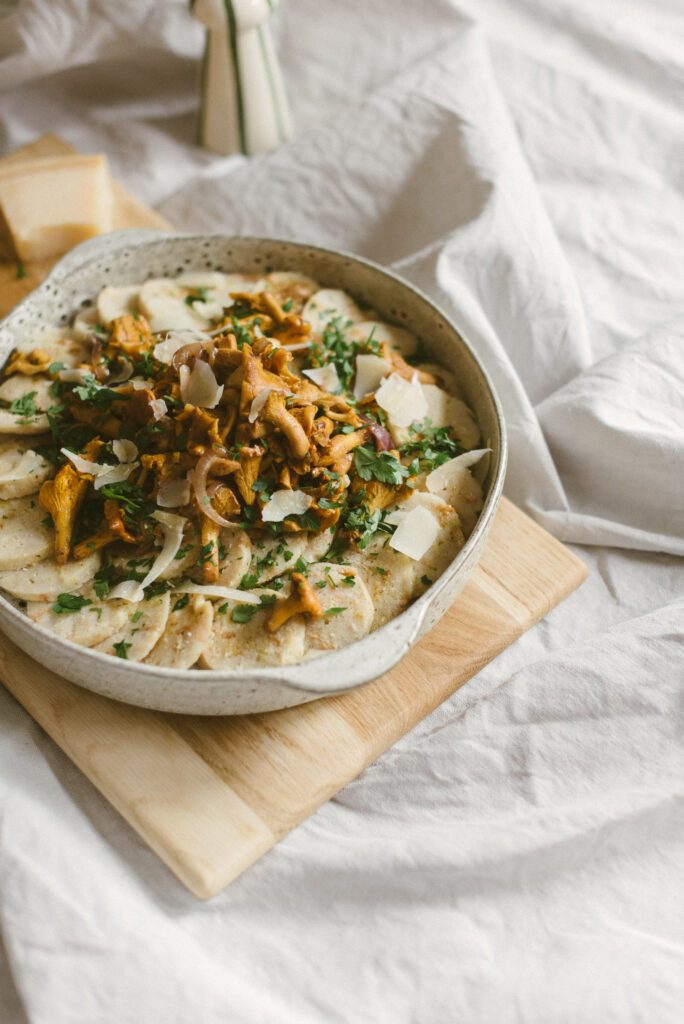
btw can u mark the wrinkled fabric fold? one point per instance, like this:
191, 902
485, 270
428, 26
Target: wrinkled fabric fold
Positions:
517, 856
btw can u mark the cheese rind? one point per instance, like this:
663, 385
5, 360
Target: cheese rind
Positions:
50, 204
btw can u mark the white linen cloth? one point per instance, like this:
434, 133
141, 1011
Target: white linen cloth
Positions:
518, 856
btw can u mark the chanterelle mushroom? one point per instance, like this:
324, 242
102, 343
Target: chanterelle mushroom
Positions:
62, 497
302, 601
274, 412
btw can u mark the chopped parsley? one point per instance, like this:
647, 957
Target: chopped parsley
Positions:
245, 612
334, 611
121, 649
429, 447
337, 349
70, 603
181, 602
90, 391
381, 466
25, 407
201, 295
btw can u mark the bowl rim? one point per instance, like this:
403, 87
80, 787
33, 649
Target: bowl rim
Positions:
212, 679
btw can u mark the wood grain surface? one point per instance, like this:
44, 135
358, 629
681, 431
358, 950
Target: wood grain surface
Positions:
212, 795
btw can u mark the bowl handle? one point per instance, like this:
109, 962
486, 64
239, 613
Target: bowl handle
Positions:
371, 657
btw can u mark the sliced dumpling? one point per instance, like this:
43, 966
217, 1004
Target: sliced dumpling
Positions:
317, 545
396, 338
445, 378
448, 541
289, 287
88, 625
46, 580
163, 303
444, 410
115, 301
235, 556
57, 344
274, 555
346, 603
212, 291
144, 625
22, 470
248, 644
326, 305
186, 635
389, 576
26, 534
85, 323
455, 484
27, 399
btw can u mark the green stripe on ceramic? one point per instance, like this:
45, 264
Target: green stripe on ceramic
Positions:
232, 43
273, 88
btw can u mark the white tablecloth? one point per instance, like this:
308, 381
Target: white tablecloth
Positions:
518, 856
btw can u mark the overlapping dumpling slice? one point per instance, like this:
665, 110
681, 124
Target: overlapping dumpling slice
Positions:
187, 633
144, 624
89, 625
346, 603
26, 534
22, 470
25, 418
46, 580
328, 303
242, 645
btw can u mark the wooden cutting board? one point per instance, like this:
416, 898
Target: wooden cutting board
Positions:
211, 796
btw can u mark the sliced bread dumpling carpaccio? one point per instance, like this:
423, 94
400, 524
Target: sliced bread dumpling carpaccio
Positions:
26, 534
347, 606
330, 303
186, 635
22, 470
145, 622
88, 626
46, 580
241, 645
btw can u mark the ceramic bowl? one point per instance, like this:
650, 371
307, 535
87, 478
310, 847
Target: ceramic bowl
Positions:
127, 256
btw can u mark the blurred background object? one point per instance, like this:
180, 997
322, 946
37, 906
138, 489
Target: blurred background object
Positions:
243, 106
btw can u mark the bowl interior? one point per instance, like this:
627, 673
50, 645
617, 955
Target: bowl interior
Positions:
128, 257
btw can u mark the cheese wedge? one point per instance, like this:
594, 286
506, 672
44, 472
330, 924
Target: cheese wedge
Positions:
50, 204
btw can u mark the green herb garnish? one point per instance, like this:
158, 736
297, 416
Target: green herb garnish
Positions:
70, 603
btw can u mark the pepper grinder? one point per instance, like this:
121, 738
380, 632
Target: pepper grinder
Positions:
243, 107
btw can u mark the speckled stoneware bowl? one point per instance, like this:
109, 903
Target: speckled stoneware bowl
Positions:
130, 256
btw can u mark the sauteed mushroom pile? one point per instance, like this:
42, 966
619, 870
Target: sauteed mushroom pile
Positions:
224, 471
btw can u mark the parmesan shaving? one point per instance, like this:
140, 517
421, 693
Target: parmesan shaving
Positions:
114, 474
173, 527
85, 465
125, 450
199, 386
325, 376
174, 493
441, 477
260, 401
402, 400
370, 370
226, 593
165, 350
285, 503
159, 408
416, 533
